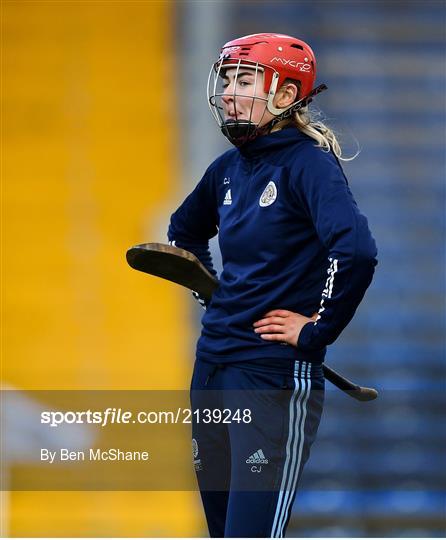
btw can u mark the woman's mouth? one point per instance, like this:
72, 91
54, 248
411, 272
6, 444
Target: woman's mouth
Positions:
234, 115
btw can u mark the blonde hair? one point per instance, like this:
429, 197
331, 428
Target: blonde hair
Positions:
307, 122
310, 122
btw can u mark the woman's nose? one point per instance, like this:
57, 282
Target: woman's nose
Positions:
228, 94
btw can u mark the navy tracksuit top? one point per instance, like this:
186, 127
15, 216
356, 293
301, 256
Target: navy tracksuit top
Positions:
291, 237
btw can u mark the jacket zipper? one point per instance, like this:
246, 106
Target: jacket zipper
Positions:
245, 191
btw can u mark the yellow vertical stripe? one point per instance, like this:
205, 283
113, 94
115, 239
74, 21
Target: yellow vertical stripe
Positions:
89, 146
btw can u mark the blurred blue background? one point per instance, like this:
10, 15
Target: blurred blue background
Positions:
377, 469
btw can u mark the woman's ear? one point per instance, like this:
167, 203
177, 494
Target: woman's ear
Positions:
286, 95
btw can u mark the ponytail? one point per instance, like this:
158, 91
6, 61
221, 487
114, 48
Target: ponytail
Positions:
307, 122
325, 137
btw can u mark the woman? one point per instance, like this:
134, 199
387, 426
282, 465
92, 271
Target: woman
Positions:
297, 259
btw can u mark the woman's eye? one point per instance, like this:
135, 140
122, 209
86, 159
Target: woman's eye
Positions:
244, 83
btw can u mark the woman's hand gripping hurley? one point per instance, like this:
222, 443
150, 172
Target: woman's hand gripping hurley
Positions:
282, 325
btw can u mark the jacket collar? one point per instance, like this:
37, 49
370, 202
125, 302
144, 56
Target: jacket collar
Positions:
272, 142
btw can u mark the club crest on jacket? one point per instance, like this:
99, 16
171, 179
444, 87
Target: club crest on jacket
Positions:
269, 194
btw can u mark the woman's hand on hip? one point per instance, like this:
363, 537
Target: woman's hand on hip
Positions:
282, 325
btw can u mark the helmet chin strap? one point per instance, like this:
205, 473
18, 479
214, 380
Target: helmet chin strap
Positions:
239, 131
282, 114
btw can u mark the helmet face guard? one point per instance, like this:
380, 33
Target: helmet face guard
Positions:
238, 130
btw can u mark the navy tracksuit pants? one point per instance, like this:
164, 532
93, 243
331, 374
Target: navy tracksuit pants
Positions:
249, 465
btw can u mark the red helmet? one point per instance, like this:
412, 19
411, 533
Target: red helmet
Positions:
289, 56
278, 57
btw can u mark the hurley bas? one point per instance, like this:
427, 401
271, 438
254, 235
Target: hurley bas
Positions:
93, 454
